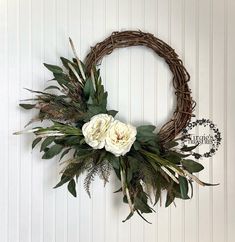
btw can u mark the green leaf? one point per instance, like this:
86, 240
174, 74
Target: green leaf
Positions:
183, 187
27, 106
53, 68
142, 206
143, 217
62, 79
157, 195
145, 130
191, 165
171, 144
128, 217
169, 199
134, 165
113, 160
72, 140
188, 148
88, 88
178, 154
72, 187
64, 153
66, 62
53, 151
35, 142
173, 158
137, 145
47, 142
93, 110
145, 135
63, 180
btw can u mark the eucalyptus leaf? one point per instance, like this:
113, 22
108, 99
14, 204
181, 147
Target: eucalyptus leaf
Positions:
64, 179
183, 187
169, 199
171, 144
27, 106
72, 187
36, 141
88, 88
47, 141
65, 152
142, 206
189, 148
173, 158
191, 165
128, 217
53, 68
52, 151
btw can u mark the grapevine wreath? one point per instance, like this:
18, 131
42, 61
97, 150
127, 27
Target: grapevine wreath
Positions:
145, 162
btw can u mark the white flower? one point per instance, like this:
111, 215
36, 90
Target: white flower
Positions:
95, 130
120, 138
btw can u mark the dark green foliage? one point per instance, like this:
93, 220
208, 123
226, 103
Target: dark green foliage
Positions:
53, 68
183, 187
64, 179
35, 142
72, 187
47, 142
27, 106
188, 148
52, 151
192, 166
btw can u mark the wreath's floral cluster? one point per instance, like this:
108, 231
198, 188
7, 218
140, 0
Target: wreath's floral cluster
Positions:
103, 131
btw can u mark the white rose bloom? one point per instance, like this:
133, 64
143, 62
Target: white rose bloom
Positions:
120, 138
95, 130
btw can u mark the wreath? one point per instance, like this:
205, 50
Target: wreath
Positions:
94, 141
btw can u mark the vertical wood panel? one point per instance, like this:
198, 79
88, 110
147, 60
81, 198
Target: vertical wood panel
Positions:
176, 32
61, 195
191, 56
14, 162
139, 86
50, 176
230, 117
204, 51
37, 76
25, 147
218, 90
4, 205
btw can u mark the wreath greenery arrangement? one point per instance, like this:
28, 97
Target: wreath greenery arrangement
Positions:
145, 162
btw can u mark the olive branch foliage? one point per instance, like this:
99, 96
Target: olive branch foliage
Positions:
145, 172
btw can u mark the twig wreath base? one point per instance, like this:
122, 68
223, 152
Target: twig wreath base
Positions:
145, 162
184, 105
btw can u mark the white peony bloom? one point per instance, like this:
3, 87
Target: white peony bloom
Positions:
120, 138
95, 130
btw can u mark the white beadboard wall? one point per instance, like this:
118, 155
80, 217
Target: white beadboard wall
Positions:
139, 85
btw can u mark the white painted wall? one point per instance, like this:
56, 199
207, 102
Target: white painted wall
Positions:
33, 32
